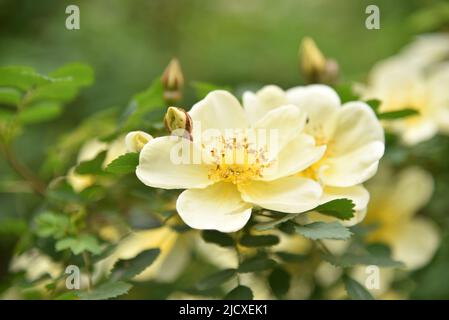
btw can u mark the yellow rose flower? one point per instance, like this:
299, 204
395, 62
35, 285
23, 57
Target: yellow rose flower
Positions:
236, 168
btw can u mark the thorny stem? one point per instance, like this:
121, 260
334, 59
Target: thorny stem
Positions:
33, 180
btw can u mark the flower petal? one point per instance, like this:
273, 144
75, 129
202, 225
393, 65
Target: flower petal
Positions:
284, 122
416, 243
413, 188
319, 101
172, 163
217, 207
218, 110
297, 155
422, 130
355, 148
356, 126
91, 149
258, 104
353, 168
116, 149
292, 194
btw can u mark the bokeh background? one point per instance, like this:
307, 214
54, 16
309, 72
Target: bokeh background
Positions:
225, 42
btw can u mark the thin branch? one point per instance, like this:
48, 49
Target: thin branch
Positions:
33, 180
324, 248
87, 268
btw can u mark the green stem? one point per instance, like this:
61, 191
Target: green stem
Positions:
87, 268
33, 180
239, 256
325, 249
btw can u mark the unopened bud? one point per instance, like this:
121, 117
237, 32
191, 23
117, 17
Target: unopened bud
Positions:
173, 81
178, 122
315, 67
136, 140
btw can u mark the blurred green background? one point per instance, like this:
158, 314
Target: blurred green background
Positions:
225, 42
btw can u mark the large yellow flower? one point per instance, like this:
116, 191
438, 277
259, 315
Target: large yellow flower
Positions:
416, 79
237, 167
353, 137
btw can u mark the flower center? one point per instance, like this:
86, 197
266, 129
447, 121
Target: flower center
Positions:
236, 159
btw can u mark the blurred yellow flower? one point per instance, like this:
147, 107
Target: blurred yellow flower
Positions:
417, 79
88, 152
395, 201
174, 253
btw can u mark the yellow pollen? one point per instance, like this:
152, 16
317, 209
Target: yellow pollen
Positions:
236, 160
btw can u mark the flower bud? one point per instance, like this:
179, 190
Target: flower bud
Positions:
178, 122
136, 140
173, 81
315, 67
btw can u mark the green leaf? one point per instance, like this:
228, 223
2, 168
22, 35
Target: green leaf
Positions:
77, 73
216, 279
279, 280
40, 112
50, 224
70, 295
259, 241
374, 104
240, 293
431, 18
271, 224
397, 114
291, 257
127, 269
126, 163
142, 106
105, 253
219, 238
377, 254
10, 96
349, 260
80, 244
322, 230
356, 291
339, 208
94, 166
57, 91
203, 88
23, 78
107, 290
255, 264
